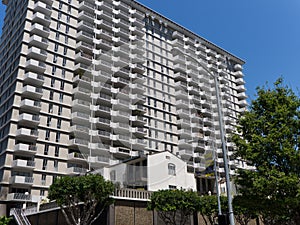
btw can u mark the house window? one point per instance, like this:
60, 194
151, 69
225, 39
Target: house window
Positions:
171, 169
113, 175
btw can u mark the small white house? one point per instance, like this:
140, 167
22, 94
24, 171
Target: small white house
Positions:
162, 170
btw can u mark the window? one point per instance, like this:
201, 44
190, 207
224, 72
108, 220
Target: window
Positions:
53, 70
45, 162
55, 165
55, 59
56, 153
172, 169
57, 35
57, 136
46, 149
62, 85
113, 175
61, 97
65, 50
59, 123
56, 47
52, 82
60, 4
50, 110
51, 95
47, 136
59, 110
49, 121
64, 61
43, 180
42, 192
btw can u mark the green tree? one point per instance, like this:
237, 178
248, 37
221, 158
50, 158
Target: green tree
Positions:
208, 207
269, 141
82, 199
5, 220
245, 210
174, 207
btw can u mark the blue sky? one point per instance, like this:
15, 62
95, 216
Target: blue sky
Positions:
264, 33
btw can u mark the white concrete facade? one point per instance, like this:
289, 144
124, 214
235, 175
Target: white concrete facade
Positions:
162, 170
85, 84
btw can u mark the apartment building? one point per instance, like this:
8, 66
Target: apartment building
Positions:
86, 84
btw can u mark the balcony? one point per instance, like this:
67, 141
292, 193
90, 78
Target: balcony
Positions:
139, 131
104, 98
101, 122
243, 103
30, 105
76, 170
27, 119
138, 120
138, 78
120, 103
40, 30
138, 108
137, 98
240, 88
184, 133
81, 143
82, 57
86, 6
81, 105
102, 34
34, 78
43, 8
31, 91
25, 148
76, 157
80, 131
137, 13
179, 67
184, 113
136, 30
38, 41
120, 115
137, 88
120, 152
41, 19
19, 197
121, 5
80, 67
238, 74
82, 93
103, 65
138, 143
36, 66
86, 16
101, 14
103, 24
79, 117
182, 103
98, 161
21, 180
23, 164
27, 134
186, 153
120, 127
85, 36
180, 76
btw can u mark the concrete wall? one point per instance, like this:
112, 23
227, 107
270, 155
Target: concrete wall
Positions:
159, 178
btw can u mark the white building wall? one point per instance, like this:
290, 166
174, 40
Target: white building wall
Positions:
158, 174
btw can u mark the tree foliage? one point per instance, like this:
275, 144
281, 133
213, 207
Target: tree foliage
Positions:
174, 207
81, 198
5, 220
269, 141
208, 207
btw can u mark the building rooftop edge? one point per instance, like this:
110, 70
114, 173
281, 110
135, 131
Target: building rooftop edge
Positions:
241, 61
